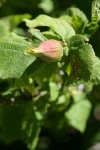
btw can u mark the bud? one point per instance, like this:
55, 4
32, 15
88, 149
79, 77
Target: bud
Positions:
49, 51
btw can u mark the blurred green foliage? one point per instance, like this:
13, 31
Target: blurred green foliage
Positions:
43, 101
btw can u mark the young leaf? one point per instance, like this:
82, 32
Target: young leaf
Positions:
78, 19
13, 60
77, 12
61, 27
92, 27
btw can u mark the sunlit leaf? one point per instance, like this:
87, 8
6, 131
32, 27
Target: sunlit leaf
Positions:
78, 114
13, 60
54, 91
58, 25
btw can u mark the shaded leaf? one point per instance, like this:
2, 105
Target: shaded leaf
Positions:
19, 123
7, 24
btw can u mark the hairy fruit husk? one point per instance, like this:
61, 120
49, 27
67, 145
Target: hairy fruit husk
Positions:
49, 51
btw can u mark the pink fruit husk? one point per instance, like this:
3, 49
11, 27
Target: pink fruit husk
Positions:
49, 51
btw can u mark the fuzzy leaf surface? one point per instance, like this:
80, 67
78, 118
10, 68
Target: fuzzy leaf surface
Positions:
13, 60
81, 58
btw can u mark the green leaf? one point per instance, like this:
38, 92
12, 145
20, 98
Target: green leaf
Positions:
67, 18
19, 123
81, 59
46, 5
78, 19
77, 24
92, 27
14, 20
35, 119
78, 114
44, 71
61, 27
13, 60
37, 34
23, 121
54, 91
51, 35
9, 23
77, 41
10, 122
96, 9
31, 127
96, 74
77, 12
